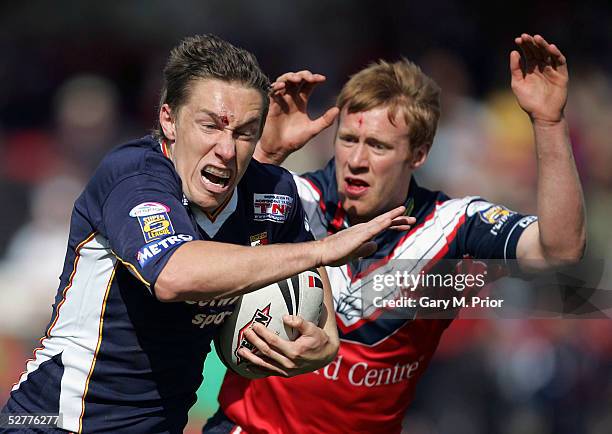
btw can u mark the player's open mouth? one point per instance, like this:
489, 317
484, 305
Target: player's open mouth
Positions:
216, 177
355, 187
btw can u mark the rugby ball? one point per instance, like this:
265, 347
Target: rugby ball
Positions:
300, 295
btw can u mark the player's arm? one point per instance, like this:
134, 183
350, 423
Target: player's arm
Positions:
151, 233
288, 126
539, 82
313, 349
202, 270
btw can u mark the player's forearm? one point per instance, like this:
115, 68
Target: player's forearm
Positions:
328, 320
562, 227
202, 270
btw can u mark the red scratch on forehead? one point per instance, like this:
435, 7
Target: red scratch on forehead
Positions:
360, 120
224, 119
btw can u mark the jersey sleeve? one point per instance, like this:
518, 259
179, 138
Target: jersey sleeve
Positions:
491, 231
145, 221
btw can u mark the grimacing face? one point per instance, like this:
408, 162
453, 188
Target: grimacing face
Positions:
374, 162
212, 137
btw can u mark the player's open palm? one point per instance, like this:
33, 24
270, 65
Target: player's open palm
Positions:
288, 126
539, 78
355, 242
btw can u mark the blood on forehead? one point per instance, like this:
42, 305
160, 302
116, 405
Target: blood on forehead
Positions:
360, 120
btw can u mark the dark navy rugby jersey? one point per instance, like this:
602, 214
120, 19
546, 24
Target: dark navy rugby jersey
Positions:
114, 358
381, 357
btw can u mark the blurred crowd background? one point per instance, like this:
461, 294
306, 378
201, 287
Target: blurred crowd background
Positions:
77, 78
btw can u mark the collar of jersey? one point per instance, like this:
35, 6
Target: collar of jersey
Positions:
212, 223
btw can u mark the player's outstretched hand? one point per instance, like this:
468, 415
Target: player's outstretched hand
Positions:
539, 78
356, 241
276, 356
288, 126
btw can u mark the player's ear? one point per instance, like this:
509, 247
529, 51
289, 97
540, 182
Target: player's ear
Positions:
167, 122
419, 155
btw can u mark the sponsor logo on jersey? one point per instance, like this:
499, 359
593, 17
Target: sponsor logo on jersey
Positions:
526, 221
259, 239
153, 219
151, 250
271, 207
211, 319
363, 374
148, 208
155, 226
496, 215
261, 316
213, 315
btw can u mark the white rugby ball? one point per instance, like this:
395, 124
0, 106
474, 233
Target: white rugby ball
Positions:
300, 295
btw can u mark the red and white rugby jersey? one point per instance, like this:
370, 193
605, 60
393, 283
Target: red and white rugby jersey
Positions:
373, 379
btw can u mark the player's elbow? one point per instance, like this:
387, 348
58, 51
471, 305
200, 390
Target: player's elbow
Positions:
167, 290
568, 254
173, 286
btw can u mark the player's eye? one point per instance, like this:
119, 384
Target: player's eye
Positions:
378, 147
245, 135
348, 139
209, 126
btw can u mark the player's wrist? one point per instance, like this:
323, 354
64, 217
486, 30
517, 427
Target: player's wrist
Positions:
265, 154
550, 121
317, 249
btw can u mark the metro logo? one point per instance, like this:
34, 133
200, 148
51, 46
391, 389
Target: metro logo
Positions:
149, 251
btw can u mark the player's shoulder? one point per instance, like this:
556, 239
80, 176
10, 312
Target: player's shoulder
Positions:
438, 203
323, 181
139, 160
268, 178
142, 156
137, 156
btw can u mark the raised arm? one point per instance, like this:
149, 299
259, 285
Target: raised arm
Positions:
539, 82
288, 126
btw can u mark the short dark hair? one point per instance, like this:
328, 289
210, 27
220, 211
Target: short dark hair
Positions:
208, 56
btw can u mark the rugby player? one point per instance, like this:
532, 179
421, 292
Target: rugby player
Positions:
388, 114
160, 249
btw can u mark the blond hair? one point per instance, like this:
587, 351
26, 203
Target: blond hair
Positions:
401, 86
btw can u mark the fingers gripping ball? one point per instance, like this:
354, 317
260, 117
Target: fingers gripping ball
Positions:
300, 295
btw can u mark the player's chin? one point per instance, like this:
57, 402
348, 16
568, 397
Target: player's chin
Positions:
206, 200
357, 213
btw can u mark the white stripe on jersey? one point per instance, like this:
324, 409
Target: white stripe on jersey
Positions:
310, 202
424, 244
77, 328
